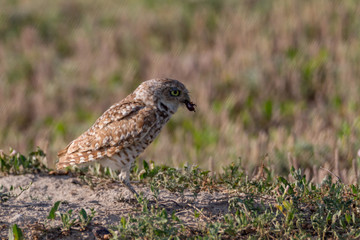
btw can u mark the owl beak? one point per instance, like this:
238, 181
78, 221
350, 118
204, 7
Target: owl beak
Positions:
190, 105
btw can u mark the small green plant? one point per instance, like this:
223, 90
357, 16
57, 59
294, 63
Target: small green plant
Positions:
150, 223
5, 196
149, 171
232, 174
16, 163
84, 219
15, 233
68, 220
190, 178
99, 171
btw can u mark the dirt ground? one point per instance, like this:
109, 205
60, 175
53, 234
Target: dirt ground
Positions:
110, 199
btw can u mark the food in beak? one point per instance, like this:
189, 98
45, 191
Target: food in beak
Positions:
190, 105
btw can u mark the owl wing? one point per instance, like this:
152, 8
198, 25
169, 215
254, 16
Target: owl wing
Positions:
119, 127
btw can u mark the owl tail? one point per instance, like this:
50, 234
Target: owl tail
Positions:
69, 159
62, 162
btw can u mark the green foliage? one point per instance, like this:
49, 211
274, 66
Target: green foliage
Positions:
84, 218
233, 174
150, 170
15, 233
53, 210
11, 194
261, 207
16, 163
190, 178
299, 209
152, 222
67, 219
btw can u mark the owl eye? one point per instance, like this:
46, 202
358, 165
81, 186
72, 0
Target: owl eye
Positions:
175, 93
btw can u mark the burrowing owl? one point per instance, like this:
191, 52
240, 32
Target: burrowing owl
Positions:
127, 127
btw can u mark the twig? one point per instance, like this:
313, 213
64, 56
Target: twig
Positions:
331, 173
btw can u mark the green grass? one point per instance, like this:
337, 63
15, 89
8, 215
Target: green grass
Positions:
150, 222
301, 209
295, 209
266, 206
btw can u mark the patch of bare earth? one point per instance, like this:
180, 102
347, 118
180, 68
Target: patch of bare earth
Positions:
110, 199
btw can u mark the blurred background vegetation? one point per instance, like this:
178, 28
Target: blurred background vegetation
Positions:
276, 82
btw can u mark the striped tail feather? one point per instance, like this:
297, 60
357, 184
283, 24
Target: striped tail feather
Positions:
80, 158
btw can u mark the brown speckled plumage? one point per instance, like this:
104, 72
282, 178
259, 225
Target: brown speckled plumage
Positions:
127, 127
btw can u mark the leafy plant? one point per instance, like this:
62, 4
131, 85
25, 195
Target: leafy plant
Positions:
151, 222
68, 220
190, 178
84, 219
233, 174
53, 210
15, 233
5, 196
16, 163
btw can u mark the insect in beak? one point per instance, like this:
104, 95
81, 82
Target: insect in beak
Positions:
190, 105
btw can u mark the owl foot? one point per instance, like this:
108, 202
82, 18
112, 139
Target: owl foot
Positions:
130, 187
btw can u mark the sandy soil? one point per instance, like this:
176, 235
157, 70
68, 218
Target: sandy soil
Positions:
110, 200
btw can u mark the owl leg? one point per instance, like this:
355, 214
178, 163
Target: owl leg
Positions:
130, 187
124, 177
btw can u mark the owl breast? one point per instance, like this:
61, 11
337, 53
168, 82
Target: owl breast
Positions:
124, 157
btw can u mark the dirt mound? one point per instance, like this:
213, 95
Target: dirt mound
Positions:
110, 199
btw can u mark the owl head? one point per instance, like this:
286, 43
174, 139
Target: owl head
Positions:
167, 94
